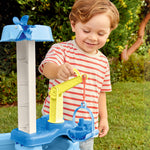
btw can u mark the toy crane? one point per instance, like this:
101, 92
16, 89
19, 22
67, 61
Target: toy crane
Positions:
85, 129
56, 97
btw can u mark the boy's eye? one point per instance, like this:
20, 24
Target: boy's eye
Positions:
101, 34
86, 31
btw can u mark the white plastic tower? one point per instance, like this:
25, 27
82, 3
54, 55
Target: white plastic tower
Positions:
26, 86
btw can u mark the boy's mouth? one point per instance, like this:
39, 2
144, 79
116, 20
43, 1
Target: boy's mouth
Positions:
90, 44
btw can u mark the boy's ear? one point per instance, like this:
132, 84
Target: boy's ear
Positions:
72, 25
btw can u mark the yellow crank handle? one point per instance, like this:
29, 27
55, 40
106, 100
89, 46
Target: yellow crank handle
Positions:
76, 71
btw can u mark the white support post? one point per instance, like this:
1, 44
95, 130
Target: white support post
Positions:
26, 86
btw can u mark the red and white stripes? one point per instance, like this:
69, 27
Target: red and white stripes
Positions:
95, 66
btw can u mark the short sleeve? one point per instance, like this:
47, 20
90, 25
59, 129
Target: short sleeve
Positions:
54, 55
106, 87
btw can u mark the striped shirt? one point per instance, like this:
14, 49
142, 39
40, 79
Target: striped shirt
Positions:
96, 66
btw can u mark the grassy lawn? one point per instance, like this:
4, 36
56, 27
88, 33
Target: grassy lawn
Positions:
128, 109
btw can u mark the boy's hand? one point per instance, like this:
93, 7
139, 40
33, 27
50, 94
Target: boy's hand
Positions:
103, 127
65, 71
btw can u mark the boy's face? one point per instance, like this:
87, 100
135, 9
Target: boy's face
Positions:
92, 35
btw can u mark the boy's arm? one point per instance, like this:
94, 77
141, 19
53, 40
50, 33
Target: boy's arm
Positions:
54, 71
103, 125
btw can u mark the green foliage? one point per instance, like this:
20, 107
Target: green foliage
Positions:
55, 14
7, 58
148, 33
8, 9
136, 69
144, 48
147, 70
41, 88
8, 90
126, 32
52, 13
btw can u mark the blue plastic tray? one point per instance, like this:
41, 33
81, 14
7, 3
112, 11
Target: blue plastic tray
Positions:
46, 132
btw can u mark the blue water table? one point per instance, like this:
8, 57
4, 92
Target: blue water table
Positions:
50, 132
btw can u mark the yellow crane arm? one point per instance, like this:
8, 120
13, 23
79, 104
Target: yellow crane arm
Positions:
56, 97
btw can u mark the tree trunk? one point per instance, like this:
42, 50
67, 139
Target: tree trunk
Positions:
127, 52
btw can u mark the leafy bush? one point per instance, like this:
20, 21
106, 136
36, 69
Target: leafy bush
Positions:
41, 88
8, 90
136, 69
147, 70
8, 9
7, 58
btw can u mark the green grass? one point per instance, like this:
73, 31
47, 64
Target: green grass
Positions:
9, 118
128, 109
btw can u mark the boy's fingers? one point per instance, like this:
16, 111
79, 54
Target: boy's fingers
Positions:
62, 75
103, 133
70, 69
66, 70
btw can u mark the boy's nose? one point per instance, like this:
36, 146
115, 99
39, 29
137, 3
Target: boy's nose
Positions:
93, 37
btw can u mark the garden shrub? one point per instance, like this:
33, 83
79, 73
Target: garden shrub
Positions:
147, 70
41, 88
7, 58
8, 90
136, 69
8, 9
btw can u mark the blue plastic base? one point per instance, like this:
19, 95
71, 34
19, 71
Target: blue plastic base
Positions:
49, 136
19, 147
60, 143
6, 143
46, 132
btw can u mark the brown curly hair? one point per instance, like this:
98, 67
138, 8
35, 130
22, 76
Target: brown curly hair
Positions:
84, 10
